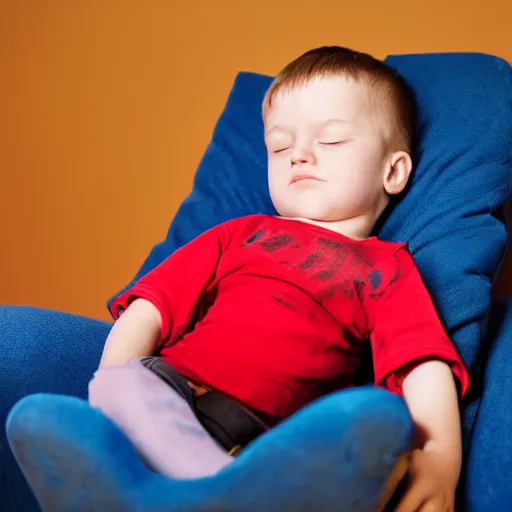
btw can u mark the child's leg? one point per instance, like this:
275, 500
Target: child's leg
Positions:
158, 421
335, 455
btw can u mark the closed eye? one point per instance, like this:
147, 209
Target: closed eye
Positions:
280, 150
335, 143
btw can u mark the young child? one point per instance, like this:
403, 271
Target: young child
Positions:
263, 314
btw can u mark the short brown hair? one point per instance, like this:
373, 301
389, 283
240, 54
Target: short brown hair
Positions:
393, 93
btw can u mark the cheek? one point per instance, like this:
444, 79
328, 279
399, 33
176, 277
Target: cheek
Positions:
354, 180
354, 168
276, 171
273, 181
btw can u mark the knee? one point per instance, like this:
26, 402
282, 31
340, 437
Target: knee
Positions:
35, 414
23, 416
103, 388
362, 413
112, 384
370, 405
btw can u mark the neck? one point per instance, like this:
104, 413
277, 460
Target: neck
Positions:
358, 227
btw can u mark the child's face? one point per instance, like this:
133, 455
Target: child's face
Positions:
327, 151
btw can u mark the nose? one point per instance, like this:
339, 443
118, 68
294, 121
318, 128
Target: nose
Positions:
302, 155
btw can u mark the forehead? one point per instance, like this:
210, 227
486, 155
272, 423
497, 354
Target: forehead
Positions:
320, 99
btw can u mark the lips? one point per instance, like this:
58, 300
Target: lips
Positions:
303, 177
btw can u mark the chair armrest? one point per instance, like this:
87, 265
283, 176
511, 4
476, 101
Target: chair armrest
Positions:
487, 483
41, 351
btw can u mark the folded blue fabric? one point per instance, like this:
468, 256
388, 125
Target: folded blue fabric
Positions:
460, 180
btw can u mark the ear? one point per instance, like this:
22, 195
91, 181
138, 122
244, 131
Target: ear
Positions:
397, 173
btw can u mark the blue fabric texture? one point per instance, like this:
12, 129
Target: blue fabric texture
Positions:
332, 456
42, 351
461, 178
490, 458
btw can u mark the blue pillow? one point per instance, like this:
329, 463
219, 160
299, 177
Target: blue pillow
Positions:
461, 178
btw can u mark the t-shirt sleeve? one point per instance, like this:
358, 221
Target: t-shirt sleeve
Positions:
176, 286
405, 329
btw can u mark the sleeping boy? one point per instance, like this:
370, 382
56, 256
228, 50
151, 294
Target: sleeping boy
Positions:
261, 315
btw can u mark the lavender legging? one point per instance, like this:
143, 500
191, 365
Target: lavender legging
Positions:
158, 421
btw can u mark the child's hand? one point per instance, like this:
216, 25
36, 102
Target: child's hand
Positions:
432, 484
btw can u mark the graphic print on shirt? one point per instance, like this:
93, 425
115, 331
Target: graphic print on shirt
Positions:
336, 268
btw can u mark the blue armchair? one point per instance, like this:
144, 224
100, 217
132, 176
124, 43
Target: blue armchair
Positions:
451, 219
57, 352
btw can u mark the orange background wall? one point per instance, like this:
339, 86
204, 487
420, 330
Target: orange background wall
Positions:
106, 108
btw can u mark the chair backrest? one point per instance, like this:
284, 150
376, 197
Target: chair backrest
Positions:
463, 163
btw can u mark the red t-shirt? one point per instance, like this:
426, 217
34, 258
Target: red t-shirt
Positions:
276, 312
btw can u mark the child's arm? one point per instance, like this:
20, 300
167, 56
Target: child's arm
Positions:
406, 331
158, 308
430, 393
135, 334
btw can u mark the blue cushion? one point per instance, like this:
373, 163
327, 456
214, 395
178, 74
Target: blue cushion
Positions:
461, 178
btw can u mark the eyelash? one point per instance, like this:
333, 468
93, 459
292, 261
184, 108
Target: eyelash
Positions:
321, 143
332, 143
